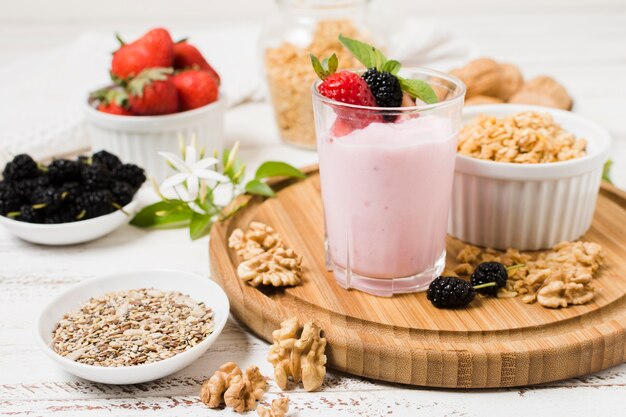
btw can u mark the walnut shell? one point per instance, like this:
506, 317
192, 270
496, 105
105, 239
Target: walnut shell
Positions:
481, 76
536, 99
512, 81
476, 100
554, 94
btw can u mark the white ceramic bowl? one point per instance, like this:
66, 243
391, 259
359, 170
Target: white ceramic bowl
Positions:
528, 206
196, 286
138, 139
70, 233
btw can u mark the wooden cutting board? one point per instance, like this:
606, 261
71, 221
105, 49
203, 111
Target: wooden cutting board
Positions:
404, 339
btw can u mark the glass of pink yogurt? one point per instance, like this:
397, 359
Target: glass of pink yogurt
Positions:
386, 179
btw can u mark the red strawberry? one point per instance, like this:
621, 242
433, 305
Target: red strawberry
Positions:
188, 56
154, 49
346, 87
152, 92
195, 89
113, 108
112, 100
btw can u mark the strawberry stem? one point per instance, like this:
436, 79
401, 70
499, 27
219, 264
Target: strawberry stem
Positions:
119, 39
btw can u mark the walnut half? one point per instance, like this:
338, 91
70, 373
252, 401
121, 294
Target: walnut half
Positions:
265, 258
280, 407
300, 358
238, 390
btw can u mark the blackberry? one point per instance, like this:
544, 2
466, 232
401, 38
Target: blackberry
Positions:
450, 292
9, 200
22, 166
29, 214
490, 272
50, 197
63, 170
123, 192
131, 174
385, 88
63, 214
96, 203
107, 159
25, 188
95, 176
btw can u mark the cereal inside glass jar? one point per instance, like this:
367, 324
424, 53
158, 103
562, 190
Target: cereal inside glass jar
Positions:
305, 27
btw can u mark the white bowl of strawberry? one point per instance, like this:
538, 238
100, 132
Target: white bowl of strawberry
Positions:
161, 90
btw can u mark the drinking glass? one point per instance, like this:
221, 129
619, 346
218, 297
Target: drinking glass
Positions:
386, 180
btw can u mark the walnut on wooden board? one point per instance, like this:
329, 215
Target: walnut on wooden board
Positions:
280, 267
299, 357
280, 407
257, 239
239, 390
265, 258
555, 278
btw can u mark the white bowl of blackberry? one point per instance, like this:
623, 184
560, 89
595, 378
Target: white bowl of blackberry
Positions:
68, 201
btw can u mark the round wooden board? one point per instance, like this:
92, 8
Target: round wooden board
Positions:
404, 339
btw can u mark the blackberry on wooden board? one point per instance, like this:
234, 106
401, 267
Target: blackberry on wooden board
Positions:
450, 292
490, 272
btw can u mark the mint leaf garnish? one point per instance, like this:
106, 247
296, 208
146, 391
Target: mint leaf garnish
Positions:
419, 89
391, 66
366, 54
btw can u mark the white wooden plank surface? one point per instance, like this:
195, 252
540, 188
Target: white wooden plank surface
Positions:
585, 49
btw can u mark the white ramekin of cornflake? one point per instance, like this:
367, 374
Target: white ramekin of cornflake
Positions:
133, 327
526, 177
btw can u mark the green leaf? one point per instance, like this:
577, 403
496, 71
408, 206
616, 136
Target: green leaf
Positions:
606, 171
366, 54
419, 89
257, 187
200, 225
163, 214
392, 67
278, 169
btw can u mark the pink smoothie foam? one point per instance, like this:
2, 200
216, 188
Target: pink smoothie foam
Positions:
386, 191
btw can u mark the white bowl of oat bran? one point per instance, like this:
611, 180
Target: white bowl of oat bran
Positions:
198, 289
528, 206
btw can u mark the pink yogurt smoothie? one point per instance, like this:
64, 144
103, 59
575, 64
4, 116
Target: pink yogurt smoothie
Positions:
386, 191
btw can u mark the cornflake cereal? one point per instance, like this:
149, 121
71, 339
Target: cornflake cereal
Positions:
290, 77
524, 138
560, 277
134, 327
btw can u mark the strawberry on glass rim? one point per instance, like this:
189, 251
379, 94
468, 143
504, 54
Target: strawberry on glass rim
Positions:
379, 87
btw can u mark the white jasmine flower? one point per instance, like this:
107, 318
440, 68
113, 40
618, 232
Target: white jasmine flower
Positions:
191, 173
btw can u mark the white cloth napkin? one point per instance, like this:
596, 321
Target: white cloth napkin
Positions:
41, 112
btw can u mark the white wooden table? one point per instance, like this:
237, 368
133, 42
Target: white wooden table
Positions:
587, 51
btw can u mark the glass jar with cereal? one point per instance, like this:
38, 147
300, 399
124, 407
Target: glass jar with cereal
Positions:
300, 28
